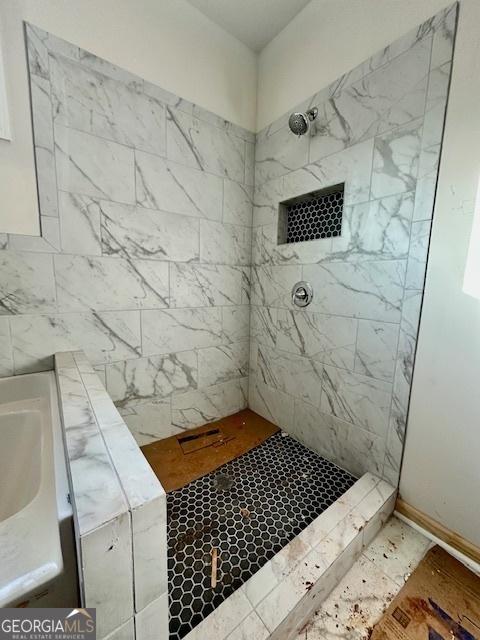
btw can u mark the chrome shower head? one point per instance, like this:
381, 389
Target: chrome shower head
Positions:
299, 123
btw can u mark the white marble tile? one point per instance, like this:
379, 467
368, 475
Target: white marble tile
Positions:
148, 420
96, 491
27, 283
403, 377
288, 595
100, 371
139, 483
138, 232
272, 404
436, 104
168, 331
93, 166
44, 145
41, 42
263, 326
397, 550
426, 182
76, 408
371, 290
106, 68
329, 519
42, 111
110, 283
279, 153
95, 103
104, 337
224, 619
46, 181
322, 432
194, 143
395, 160
323, 338
252, 628
224, 243
152, 622
237, 203
266, 198
223, 363
371, 508
167, 186
125, 631
376, 349
377, 230
317, 592
6, 354
381, 516
272, 285
108, 573
417, 257
299, 376
249, 163
276, 570
236, 323
444, 25
217, 121
194, 408
80, 224
155, 376
352, 166
47, 242
391, 96
36, 40
267, 248
208, 285
149, 535
363, 452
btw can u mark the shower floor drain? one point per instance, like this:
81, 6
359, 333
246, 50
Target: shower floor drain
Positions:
248, 512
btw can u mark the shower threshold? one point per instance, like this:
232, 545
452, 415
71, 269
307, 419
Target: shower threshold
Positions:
255, 545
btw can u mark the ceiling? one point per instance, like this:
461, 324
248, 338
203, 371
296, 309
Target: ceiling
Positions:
253, 22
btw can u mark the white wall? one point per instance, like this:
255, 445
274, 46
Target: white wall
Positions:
441, 470
168, 42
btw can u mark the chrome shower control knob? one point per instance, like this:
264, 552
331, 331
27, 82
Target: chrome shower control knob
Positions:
302, 294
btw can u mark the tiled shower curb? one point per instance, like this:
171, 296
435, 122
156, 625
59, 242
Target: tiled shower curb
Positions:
277, 601
120, 514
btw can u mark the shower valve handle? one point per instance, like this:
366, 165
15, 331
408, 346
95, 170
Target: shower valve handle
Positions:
302, 294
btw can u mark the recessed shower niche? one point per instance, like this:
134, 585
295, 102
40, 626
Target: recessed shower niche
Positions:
312, 216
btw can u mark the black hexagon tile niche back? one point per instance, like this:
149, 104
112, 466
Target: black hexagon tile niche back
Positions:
319, 216
248, 510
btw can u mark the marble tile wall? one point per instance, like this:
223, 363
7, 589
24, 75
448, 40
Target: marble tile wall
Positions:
152, 261
144, 259
337, 374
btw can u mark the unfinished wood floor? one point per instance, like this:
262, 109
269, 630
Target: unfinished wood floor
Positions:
192, 454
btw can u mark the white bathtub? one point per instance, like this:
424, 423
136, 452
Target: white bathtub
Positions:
35, 513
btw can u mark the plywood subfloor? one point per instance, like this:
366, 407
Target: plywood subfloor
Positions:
192, 454
439, 601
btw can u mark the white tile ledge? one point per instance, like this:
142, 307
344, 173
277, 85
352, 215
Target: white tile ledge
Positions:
111, 482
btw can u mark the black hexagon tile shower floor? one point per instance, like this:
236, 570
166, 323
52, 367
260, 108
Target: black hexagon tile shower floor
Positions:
248, 510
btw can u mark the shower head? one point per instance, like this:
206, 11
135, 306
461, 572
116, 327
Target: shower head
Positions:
299, 123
